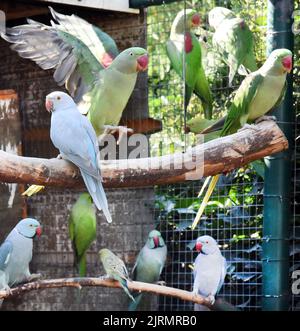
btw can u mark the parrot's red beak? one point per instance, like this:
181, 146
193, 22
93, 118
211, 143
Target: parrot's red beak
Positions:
156, 241
198, 247
49, 105
287, 63
142, 63
38, 231
196, 20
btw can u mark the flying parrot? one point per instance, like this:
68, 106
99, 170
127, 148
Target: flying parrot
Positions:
82, 229
209, 270
16, 254
87, 61
259, 92
183, 40
150, 263
74, 136
233, 40
115, 269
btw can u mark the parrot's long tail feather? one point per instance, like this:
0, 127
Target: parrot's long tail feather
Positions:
96, 191
33, 189
205, 200
123, 283
1, 301
82, 266
134, 304
206, 182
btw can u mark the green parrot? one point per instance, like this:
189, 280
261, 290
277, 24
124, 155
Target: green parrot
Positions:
182, 39
259, 92
82, 229
149, 263
87, 61
233, 40
115, 269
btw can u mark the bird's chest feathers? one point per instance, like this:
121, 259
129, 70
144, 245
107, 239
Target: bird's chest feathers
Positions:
267, 96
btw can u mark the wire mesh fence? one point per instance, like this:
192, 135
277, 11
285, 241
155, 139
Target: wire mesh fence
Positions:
234, 216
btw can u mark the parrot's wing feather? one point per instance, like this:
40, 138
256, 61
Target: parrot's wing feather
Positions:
218, 125
223, 274
102, 46
79, 144
5, 252
174, 56
237, 114
50, 48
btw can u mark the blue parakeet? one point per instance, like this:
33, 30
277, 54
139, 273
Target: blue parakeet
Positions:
74, 136
209, 269
16, 254
149, 263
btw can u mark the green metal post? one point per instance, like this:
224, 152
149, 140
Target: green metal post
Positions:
277, 189
147, 3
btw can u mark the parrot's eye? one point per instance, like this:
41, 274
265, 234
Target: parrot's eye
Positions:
207, 242
131, 54
58, 98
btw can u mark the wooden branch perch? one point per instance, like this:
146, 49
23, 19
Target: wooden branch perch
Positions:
82, 282
219, 155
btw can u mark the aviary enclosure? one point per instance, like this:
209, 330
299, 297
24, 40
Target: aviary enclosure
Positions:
253, 212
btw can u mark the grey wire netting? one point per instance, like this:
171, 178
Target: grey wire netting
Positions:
234, 216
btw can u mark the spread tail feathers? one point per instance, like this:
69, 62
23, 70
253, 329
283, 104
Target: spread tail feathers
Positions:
205, 200
123, 283
96, 191
134, 304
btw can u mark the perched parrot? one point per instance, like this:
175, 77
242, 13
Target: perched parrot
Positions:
115, 269
86, 60
16, 254
259, 92
82, 230
74, 136
150, 263
233, 40
182, 39
209, 270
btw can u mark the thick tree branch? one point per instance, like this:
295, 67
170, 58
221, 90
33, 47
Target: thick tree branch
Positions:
82, 282
219, 155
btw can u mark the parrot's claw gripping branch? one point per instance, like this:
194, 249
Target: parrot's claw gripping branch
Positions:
88, 282
214, 157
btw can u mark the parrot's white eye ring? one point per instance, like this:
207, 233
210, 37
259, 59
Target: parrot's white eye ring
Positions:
131, 54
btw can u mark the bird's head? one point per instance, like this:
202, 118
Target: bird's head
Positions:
103, 253
132, 60
206, 245
29, 228
58, 100
280, 60
155, 240
218, 14
186, 20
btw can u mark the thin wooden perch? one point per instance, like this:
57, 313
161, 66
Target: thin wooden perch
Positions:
219, 155
82, 282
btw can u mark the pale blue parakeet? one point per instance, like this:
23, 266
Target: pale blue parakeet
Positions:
16, 254
150, 263
74, 136
209, 269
